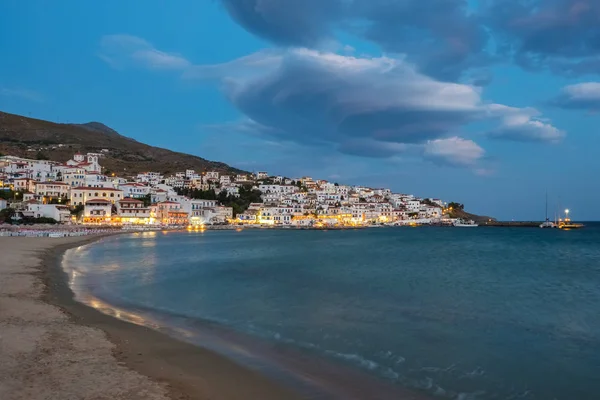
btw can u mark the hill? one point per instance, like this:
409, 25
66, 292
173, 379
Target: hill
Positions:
480, 219
31, 138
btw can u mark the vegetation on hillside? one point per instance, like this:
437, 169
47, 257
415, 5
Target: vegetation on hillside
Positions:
11, 195
239, 204
34, 138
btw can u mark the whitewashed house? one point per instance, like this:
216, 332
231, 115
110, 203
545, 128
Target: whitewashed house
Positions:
134, 190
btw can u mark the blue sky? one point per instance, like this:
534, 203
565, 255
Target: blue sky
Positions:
486, 102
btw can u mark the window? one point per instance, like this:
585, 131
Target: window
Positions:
103, 194
112, 195
96, 194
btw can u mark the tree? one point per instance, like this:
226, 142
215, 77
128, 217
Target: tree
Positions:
78, 209
456, 206
41, 156
239, 203
40, 220
7, 215
59, 200
11, 195
147, 199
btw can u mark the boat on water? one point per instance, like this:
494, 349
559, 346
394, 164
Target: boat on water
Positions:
567, 224
547, 223
461, 223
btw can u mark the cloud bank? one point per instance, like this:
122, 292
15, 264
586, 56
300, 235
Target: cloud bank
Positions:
443, 37
373, 107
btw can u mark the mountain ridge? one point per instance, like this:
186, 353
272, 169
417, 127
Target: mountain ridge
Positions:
29, 137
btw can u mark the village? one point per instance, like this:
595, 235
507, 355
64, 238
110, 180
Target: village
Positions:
81, 192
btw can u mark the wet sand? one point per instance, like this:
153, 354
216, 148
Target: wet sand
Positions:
52, 347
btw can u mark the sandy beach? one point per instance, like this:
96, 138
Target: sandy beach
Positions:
52, 347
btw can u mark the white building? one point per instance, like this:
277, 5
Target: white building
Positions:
93, 179
52, 190
59, 213
89, 162
80, 195
134, 190
73, 176
151, 178
134, 212
97, 211
212, 175
24, 185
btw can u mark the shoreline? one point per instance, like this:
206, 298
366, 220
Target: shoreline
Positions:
260, 369
133, 362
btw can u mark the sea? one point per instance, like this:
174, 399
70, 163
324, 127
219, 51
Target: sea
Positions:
444, 313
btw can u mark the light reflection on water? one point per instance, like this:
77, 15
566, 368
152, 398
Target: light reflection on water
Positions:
401, 304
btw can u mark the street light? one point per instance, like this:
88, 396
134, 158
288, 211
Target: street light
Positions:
567, 212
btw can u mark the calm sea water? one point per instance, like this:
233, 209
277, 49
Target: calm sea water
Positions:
486, 313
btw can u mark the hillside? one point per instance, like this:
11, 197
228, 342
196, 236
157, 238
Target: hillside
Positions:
28, 137
480, 219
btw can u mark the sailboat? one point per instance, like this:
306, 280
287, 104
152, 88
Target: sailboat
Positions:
547, 223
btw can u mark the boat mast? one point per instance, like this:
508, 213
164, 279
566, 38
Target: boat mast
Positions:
546, 206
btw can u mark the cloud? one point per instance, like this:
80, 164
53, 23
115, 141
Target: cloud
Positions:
21, 93
524, 125
123, 51
562, 35
454, 151
441, 36
582, 96
299, 23
444, 38
372, 107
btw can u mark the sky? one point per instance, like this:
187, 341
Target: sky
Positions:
490, 103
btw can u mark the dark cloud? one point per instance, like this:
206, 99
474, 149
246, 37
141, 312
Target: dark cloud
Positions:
439, 35
297, 23
562, 35
582, 96
444, 38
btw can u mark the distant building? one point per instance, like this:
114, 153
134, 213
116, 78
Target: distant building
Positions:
80, 195
133, 212
97, 211
134, 190
52, 190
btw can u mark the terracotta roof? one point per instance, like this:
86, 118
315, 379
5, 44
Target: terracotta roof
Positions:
52, 183
96, 188
130, 200
97, 201
133, 184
